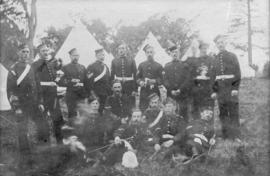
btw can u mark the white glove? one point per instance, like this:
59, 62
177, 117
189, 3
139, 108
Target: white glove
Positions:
167, 136
212, 141
214, 95
142, 83
234, 92
117, 140
168, 143
157, 147
78, 84
41, 108
18, 111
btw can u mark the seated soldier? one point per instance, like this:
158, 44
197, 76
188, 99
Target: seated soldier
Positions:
169, 130
154, 109
119, 105
199, 135
129, 137
90, 129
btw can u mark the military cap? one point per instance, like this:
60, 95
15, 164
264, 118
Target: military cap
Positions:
146, 47
99, 50
153, 96
72, 50
92, 98
23, 46
203, 43
219, 36
172, 48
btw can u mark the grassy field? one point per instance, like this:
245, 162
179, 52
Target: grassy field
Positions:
223, 160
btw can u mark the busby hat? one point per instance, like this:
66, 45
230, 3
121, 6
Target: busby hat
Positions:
23, 46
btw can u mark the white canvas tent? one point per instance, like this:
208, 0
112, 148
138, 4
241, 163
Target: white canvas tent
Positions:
160, 54
86, 44
4, 103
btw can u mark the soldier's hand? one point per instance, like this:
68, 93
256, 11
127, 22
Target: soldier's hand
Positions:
41, 108
78, 84
157, 147
214, 95
18, 111
168, 143
117, 140
212, 141
178, 91
174, 92
13, 98
234, 93
142, 83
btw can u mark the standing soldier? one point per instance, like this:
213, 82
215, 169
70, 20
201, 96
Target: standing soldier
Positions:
98, 76
202, 80
227, 81
177, 81
74, 79
149, 76
23, 91
124, 69
46, 69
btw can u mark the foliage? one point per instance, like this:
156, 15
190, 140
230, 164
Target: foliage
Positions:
18, 24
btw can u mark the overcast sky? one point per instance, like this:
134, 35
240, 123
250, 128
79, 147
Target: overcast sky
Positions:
212, 19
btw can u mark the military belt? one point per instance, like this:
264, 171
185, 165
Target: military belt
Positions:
124, 78
49, 83
223, 77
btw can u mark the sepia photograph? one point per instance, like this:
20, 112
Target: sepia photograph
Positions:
134, 87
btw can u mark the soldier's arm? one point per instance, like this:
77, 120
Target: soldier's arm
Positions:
112, 70
186, 85
237, 73
166, 81
139, 74
214, 74
39, 88
134, 73
89, 79
64, 79
12, 89
160, 75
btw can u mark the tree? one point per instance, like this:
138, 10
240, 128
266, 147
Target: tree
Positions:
18, 24
242, 29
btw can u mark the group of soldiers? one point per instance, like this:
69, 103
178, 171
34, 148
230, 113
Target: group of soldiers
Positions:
127, 99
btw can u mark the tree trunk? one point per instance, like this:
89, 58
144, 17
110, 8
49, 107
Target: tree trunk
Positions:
253, 66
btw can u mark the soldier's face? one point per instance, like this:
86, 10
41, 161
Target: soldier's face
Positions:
122, 50
100, 56
221, 44
117, 88
136, 116
207, 114
44, 52
74, 56
94, 105
24, 54
150, 53
174, 54
203, 50
169, 108
154, 103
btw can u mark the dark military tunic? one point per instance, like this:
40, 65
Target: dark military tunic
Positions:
125, 70
149, 70
151, 114
227, 78
171, 124
177, 76
46, 72
202, 83
28, 93
198, 134
73, 74
100, 87
120, 105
